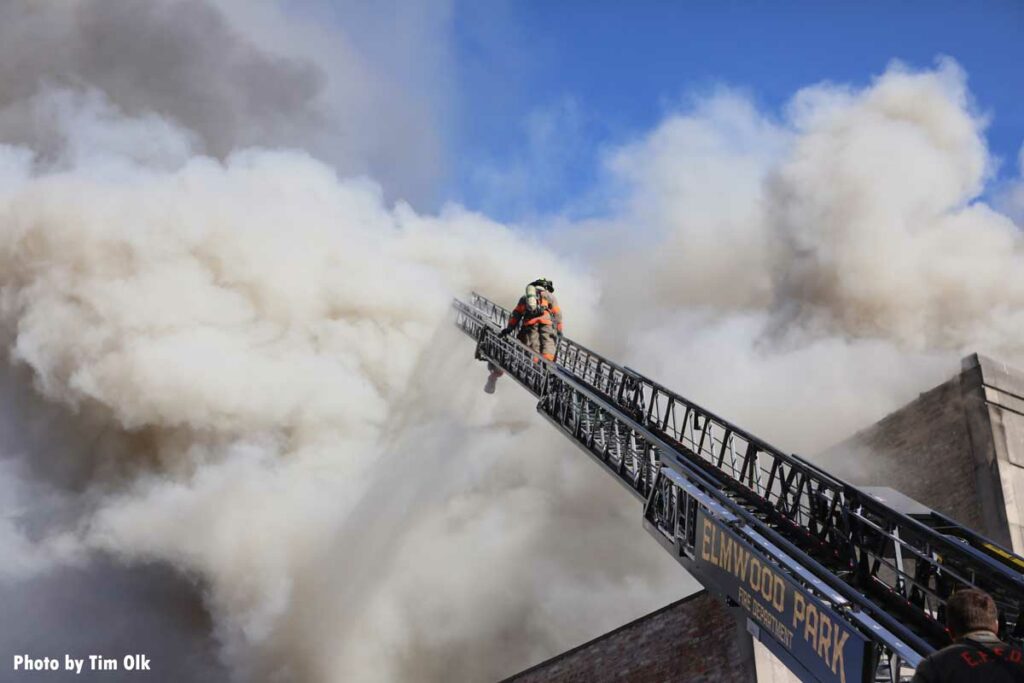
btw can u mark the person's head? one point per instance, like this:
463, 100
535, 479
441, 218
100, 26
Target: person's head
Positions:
971, 610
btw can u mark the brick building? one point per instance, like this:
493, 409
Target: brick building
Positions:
697, 635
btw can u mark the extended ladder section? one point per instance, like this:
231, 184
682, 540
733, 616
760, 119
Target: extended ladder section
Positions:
840, 586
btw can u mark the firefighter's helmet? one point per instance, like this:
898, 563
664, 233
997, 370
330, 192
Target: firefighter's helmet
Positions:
545, 283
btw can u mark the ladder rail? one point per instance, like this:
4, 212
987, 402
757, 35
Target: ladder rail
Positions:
801, 494
636, 428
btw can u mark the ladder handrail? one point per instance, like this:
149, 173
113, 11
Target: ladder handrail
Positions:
803, 510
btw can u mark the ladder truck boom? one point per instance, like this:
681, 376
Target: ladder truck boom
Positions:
835, 582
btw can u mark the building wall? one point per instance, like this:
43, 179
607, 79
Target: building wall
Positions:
957, 448
695, 639
922, 450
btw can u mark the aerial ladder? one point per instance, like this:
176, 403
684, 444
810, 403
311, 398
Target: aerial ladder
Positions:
834, 581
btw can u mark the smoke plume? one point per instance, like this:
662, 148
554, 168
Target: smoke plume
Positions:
846, 246
234, 386
235, 73
242, 369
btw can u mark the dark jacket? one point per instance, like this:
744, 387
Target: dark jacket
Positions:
978, 656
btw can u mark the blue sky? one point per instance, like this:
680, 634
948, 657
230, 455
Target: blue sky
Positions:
543, 87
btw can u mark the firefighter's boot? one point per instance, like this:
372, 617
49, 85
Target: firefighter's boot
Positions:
492, 380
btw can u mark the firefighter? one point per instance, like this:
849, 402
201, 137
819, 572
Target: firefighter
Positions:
538, 318
976, 654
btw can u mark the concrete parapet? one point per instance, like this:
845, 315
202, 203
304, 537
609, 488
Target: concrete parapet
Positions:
994, 411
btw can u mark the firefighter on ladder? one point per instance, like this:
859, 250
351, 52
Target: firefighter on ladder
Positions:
539, 319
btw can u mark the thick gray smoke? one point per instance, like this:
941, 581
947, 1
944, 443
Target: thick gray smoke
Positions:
234, 73
246, 373
243, 378
812, 273
263, 341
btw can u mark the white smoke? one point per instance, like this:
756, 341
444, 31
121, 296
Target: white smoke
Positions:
289, 422
253, 377
237, 73
808, 274
1011, 197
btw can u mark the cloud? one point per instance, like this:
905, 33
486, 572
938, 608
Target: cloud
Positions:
555, 144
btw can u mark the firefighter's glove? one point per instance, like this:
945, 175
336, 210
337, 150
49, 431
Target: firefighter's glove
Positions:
505, 332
